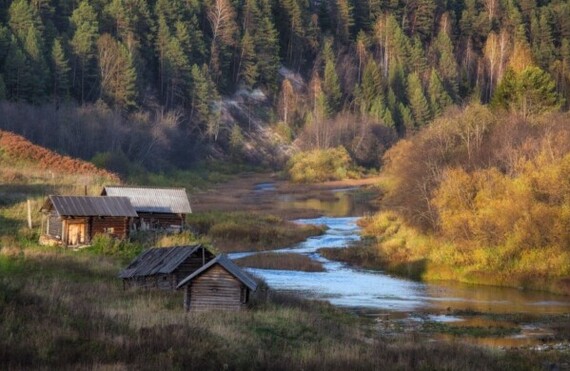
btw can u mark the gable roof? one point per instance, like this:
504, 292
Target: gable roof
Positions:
153, 200
89, 206
158, 260
228, 265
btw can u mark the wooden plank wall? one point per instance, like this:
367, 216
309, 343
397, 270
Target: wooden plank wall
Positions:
214, 289
159, 220
159, 281
119, 224
191, 264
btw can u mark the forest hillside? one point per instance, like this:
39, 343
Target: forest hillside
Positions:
173, 82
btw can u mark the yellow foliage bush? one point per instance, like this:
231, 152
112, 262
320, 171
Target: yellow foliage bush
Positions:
321, 165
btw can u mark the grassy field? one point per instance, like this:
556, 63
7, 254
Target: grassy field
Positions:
64, 309
67, 310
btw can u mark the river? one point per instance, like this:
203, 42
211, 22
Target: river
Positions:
377, 293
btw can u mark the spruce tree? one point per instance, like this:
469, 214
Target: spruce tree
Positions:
38, 66
247, 70
17, 72
447, 65
418, 103
425, 19
331, 84
266, 42
60, 72
204, 112
370, 90
438, 97
84, 45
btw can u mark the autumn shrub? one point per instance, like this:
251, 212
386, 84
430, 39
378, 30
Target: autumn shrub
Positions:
321, 165
493, 193
16, 146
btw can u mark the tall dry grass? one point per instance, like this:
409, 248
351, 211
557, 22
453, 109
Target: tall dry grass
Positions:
281, 261
64, 310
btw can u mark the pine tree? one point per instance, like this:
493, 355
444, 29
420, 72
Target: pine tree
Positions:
344, 20
406, 117
438, 97
447, 65
5, 39
266, 42
39, 70
21, 18
118, 73
425, 19
543, 41
17, 72
204, 94
331, 84
84, 45
369, 92
418, 103
177, 72
247, 70
417, 57
60, 72
529, 92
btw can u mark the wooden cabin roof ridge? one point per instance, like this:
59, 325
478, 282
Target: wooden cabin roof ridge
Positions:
89, 206
153, 199
158, 260
229, 266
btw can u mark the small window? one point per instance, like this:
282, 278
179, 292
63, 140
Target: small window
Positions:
109, 230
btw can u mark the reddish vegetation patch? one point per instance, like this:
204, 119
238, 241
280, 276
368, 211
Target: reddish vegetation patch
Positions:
19, 147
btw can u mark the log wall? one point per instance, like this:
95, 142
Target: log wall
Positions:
101, 225
215, 289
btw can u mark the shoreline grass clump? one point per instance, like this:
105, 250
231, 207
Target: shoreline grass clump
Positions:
242, 231
281, 261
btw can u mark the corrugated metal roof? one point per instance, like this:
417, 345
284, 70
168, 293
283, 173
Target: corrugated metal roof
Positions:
159, 260
153, 200
228, 265
90, 206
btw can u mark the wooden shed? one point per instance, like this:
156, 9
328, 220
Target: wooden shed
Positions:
157, 208
220, 284
164, 267
74, 220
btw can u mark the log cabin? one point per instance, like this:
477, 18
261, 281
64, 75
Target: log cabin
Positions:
165, 267
157, 208
218, 285
75, 220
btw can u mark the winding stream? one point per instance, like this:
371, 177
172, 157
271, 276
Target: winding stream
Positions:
375, 292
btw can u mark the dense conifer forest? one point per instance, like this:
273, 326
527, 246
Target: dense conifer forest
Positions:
356, 73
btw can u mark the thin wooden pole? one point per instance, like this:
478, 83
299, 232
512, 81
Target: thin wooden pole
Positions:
30, 214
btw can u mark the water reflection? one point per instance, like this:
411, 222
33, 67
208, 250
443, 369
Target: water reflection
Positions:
375, 293
358, 288
337, 203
